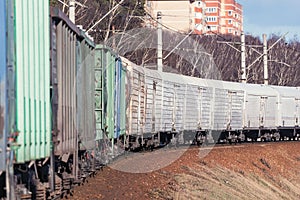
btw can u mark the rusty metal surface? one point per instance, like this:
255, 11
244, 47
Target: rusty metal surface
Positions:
64, 101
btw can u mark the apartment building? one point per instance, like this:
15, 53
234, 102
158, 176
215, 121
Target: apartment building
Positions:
201, 16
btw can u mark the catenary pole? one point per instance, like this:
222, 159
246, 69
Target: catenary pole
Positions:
243, 58
159, 42
72, 10
265, 60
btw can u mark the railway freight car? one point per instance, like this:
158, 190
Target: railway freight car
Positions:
25, 93
227, 102
49, 100
110, 102
288, 112
73, 104
165, 108
260, 112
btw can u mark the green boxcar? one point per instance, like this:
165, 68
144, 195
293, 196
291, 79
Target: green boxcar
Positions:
32, 73
109, 94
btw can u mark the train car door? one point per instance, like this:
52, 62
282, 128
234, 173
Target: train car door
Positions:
262, 110
297, 111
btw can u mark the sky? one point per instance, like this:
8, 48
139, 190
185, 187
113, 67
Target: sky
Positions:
271, 16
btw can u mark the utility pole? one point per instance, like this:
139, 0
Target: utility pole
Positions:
264, 55
159, 42
243, 55
72, 10
265, 60
243, 58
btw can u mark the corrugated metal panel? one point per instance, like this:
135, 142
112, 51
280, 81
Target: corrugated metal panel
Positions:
287, 112
288, 106
198, 103
85, 95
153, 102
33, 79
136, 113
173, 103
261, 106
180, 105
260, 111
269, 112
192, 113
3, 95
235, 112
64, 85
252, 111
220, 109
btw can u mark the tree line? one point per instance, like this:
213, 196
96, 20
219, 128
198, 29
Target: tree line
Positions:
283, 58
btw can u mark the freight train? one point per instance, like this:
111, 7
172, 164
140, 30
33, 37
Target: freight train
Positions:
69, 106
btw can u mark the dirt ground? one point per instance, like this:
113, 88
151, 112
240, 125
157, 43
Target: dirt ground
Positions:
243, 171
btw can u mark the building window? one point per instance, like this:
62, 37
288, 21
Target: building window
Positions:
211, 19
230, 21
229, 12
212, 28
230, 30
236, 16
211, 10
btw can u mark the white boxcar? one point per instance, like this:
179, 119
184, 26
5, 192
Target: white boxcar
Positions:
197, 107
227, 105
288, 113
288, 106
260, 107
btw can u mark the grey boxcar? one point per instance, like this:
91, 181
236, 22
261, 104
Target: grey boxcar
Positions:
85, 74
64, 86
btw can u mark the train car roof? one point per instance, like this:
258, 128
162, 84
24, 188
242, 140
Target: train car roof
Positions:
153, 73
57, 14
259, 89
251, 89
287, 91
